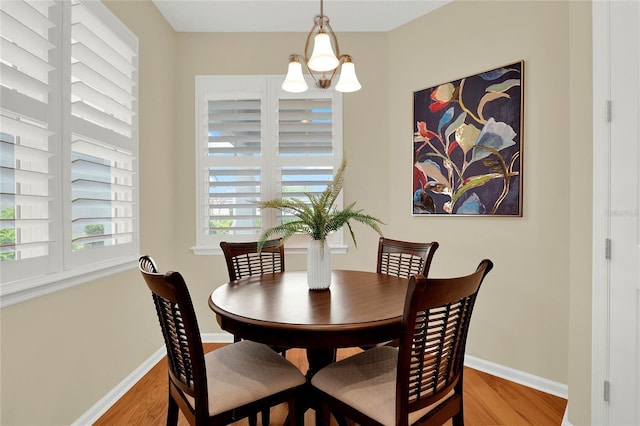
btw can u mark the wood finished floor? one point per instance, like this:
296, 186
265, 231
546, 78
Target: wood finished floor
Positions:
488, 400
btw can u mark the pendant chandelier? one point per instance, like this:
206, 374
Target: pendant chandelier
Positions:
323, 63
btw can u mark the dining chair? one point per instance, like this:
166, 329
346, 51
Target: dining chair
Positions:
244, 260
224, 385
421, 381
402, 259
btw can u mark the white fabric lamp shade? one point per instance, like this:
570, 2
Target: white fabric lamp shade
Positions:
323, 59
294, 82
348, 81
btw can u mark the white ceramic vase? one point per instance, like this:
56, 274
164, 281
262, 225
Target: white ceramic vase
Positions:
318, 265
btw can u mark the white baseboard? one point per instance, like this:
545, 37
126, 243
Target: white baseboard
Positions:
526, 379
517, 376
217, 338
101, 407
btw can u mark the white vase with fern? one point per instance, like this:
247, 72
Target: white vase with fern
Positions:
318, 219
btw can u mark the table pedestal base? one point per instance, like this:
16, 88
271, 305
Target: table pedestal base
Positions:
319, 358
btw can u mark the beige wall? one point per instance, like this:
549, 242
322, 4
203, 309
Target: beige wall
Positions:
580, 216
521, 319
534, 311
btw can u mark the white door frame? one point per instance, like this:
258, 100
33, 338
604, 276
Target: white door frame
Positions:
602, 75
601, 129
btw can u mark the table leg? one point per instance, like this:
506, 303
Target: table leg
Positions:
319, 358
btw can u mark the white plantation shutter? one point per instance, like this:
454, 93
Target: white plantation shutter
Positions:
103, 122
256, 142
235, 127
68, 142
231, 194
309, 147
102, 195
305, 126
234, 131
27, 143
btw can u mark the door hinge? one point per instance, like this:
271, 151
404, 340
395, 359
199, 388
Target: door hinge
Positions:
607, 248
607, 111
606, 390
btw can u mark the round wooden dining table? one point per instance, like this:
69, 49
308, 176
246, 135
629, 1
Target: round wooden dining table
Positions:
359, 308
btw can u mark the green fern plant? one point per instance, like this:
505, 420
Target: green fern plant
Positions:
319, 218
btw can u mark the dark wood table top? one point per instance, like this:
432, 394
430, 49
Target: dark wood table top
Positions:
279, 309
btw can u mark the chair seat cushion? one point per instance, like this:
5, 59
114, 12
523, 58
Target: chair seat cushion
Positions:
244, 372
367, 382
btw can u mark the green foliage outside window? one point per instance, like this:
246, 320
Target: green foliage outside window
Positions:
8, 235
94, 229
216, 224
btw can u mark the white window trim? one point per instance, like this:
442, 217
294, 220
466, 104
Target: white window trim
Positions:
27, 289
296, 244
67, 276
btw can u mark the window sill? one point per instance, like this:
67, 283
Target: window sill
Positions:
21, 291
292, 249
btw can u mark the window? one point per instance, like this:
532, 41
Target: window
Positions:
68, 143
255, 142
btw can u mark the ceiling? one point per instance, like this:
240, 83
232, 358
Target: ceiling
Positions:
291, 15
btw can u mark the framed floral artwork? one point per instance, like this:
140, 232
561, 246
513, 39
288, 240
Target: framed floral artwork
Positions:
467, 145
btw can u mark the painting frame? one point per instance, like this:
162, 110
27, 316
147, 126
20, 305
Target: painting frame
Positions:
468, 145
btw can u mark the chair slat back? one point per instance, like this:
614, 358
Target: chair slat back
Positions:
243, 259
404, 258
435, 326
185, 354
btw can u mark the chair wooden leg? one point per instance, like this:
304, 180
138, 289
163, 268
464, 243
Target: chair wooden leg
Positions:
341, 420
172, 412
253, 419
295, 417
458, 418
324, 419
266, 417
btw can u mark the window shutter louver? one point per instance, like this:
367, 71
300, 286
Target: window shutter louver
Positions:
296, 183
234, 127
25, 130
305, 127
231, 194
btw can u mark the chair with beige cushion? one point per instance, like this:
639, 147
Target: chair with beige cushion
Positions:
244, 260
222, 386
422, 379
